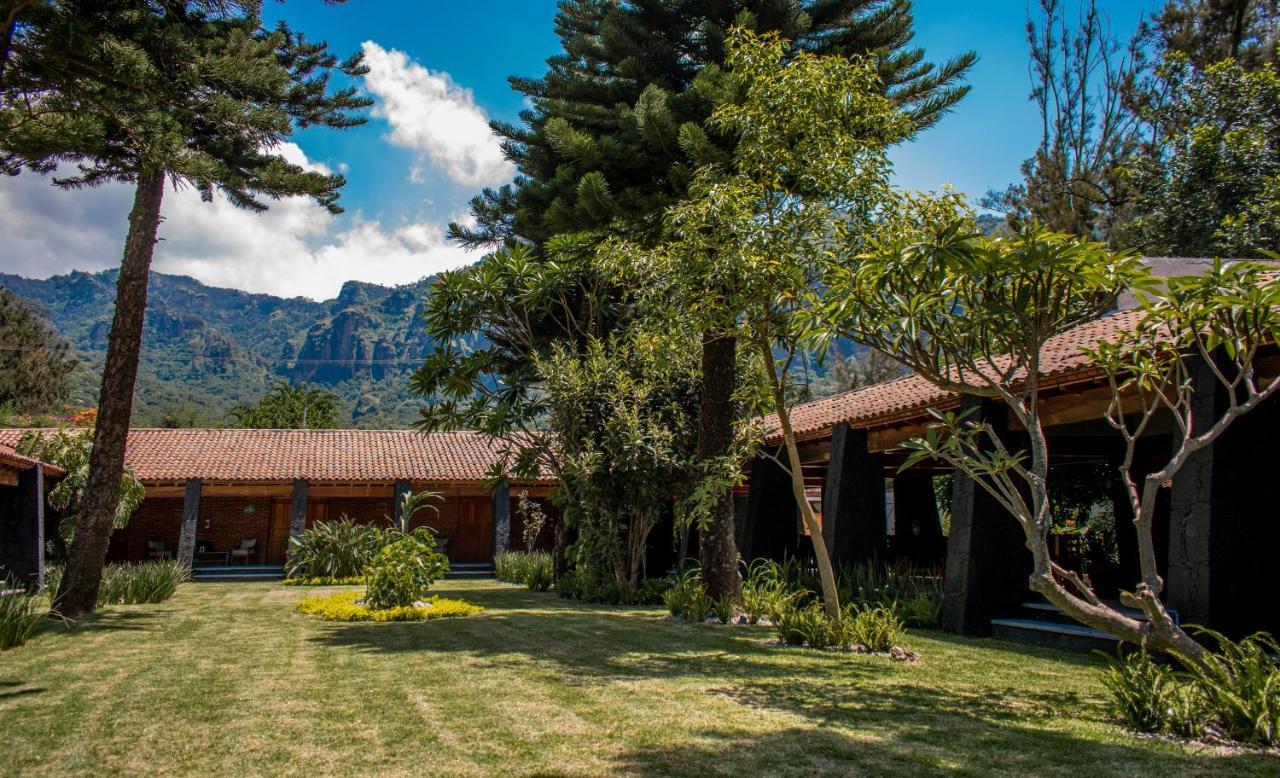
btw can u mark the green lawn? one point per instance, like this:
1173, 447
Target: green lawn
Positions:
228, 679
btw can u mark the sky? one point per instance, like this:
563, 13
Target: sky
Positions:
438, 75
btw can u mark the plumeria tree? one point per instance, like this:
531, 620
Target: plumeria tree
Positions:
743, 253
973, 315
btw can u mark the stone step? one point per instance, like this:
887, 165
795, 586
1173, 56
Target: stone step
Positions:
1047, 611
1052, 633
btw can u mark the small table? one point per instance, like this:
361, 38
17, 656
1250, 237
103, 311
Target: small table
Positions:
214, 556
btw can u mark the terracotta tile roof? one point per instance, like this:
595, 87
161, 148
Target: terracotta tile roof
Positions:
12, 460
316, 455
1062, 359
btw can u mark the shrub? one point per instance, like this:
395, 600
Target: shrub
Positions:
874, 629
20, 612
687, 598
402, 572
724, 609
583, 586
1141, 691
796, 622
326, 581
1240, 683
334, 549
768, 589
531, 568
346, 606
919, 610
132, 584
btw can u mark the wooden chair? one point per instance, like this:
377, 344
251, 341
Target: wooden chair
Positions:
246, 551
156, 549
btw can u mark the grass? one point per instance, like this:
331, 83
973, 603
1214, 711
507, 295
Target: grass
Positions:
229, 679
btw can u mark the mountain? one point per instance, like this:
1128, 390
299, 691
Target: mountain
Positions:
206, 349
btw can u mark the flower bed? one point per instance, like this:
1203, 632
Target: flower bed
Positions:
347, 606
324, 580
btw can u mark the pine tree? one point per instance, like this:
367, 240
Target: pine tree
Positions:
616, 130
196, 92
34, 362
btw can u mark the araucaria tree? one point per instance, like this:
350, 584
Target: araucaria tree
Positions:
34, 362
973, 315
616, 131
194, 92
809, 164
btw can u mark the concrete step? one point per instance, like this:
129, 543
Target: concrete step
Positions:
1052, 633
1047, 611
228, 573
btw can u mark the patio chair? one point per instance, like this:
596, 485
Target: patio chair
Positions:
246, 551
156, 549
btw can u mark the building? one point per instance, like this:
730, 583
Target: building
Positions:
208, 491
24, 487
1216, 528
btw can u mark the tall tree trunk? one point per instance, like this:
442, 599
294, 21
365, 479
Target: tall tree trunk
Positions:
79, 591
717, 547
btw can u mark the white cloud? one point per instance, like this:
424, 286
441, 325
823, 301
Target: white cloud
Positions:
293, 249
440, 120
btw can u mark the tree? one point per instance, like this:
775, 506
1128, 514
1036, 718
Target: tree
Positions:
1209, 184
617, 129
34, 362
863, 368
69, 449
810, 163
1017, 293
196, 92
1081, 82
289, 406
1210, 31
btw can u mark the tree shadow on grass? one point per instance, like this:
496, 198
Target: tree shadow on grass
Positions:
101, 620
9, 692
905, 748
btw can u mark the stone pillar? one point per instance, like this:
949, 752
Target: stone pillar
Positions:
770, 526
397, 500
917, 528
1223, 520
22, 529
988, 563
501, 518
190, 522
298, 512
853, 511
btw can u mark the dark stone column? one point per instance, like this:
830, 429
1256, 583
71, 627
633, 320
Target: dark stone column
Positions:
1223, 522
770, 527
987, 559
190, 521
397, 499
853, 512
501, 518
298, 513
917, 528
22, 529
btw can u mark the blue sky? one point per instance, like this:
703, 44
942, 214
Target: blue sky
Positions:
439, 73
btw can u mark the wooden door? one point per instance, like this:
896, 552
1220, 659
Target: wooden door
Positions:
278, 532
473, 540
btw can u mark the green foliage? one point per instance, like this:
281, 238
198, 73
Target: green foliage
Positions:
687, 598
69, 449
1142, 691
334, 549
800, 623
324, 580
531, 568
768, 589
1210, 184
35, 364
724, 608
622, 417
131, 583
20, 613
348, 606
583, 586
290, 406
411, 504
1240, 683
402, 571
874, 629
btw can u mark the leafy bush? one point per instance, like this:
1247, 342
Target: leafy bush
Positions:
915, 593
724, 609
796, 623
920, 610
131, 583
767, 589
874, 629
532, 568
334, 549
20, 612
326, 581
583, 586
1240, 683
347, 606
402, 572
1141, 691
687, 598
